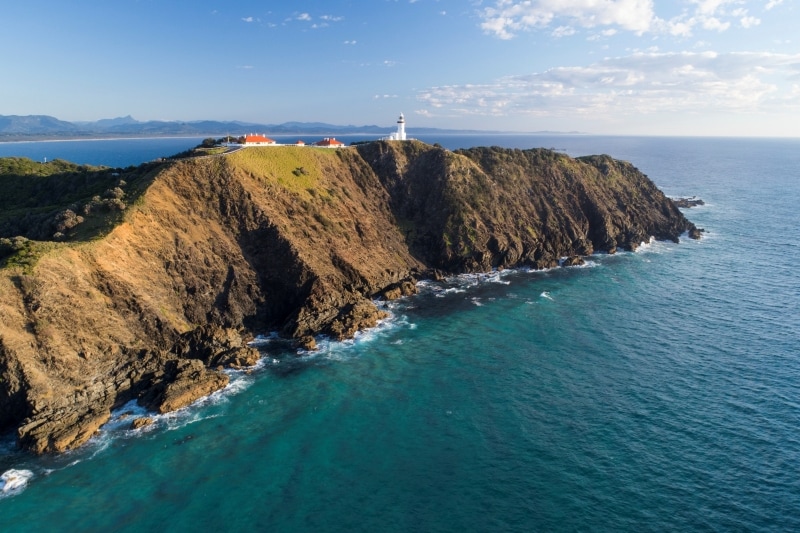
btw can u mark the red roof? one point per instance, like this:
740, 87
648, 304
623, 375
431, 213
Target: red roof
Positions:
329, 142
300, 142
257, 139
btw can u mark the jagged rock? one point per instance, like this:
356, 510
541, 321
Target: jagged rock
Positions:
688, 202
141, 422
238, 358
573, 261
58, 432
184, 382
307, 343
355, 317
398, 290
217, 346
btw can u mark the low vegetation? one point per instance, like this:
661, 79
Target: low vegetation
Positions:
63, 201
295, 169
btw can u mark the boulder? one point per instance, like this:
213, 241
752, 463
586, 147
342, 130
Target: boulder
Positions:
355, 317
141, 422
216, 346
183, 382
573, 261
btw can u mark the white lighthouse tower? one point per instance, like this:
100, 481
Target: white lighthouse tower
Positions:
400, 134
401, 128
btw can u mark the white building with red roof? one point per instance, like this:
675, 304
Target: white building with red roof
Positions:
257, 140
329, 142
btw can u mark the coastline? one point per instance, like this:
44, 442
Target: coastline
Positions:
250, 243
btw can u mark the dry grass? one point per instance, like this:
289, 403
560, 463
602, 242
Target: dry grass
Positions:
299, 170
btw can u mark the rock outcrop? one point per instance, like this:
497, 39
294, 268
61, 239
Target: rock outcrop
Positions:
219, 248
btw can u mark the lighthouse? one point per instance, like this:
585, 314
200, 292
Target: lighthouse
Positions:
401, 128
400, 134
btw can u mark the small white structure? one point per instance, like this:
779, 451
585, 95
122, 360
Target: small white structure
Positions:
400, 134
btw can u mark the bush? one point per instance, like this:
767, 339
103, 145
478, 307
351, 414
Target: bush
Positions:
13, 245
66, 220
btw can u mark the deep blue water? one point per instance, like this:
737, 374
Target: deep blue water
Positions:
648, 391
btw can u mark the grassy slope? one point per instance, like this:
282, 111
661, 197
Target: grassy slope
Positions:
224, 239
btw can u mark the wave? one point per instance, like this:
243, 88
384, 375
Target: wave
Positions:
332, 349
14, 481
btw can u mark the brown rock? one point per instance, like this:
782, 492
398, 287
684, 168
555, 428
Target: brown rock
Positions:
141, 422
185, 381
355, 317
573, 261
55, 434
307, 342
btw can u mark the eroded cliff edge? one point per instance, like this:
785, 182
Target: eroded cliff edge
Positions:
298, 240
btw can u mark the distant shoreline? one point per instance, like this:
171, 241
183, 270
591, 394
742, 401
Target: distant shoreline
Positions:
22, 138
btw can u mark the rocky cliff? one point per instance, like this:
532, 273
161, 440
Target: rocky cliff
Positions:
298, 240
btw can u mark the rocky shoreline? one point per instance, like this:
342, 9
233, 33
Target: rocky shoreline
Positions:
219, 248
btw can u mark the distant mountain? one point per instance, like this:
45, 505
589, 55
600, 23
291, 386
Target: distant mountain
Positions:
14, 127
47, 126
108, 123
35, 125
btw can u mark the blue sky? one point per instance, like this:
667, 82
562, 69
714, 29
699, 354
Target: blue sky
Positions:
681, 67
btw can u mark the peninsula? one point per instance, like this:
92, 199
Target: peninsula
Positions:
144, 283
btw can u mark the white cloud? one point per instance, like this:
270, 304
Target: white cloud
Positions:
331, 18
304, 17
749, 22
773, 3
713, 23
510, 17
563, 31
248, 19
642, 83
350, 42
507, 18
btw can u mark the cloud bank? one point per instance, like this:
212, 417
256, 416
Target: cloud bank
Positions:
507, 18
642, 83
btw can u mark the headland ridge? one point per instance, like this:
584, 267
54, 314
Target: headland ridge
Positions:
150, 285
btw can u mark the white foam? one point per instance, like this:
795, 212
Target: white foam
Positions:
14, 481
263, 340
340, 350
646, 246
546, 295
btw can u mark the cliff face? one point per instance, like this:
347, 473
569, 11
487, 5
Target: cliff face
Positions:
294, 239
476, 209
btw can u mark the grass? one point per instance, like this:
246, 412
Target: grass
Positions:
28, 255
295, 169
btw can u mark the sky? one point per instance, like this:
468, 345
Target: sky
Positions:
606, 67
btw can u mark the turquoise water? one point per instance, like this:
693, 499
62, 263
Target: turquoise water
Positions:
655, 390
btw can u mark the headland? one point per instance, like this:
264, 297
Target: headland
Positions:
146, 284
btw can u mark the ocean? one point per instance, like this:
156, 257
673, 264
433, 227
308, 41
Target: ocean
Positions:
649, 391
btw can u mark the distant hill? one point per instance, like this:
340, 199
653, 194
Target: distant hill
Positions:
35, 125
15, 127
